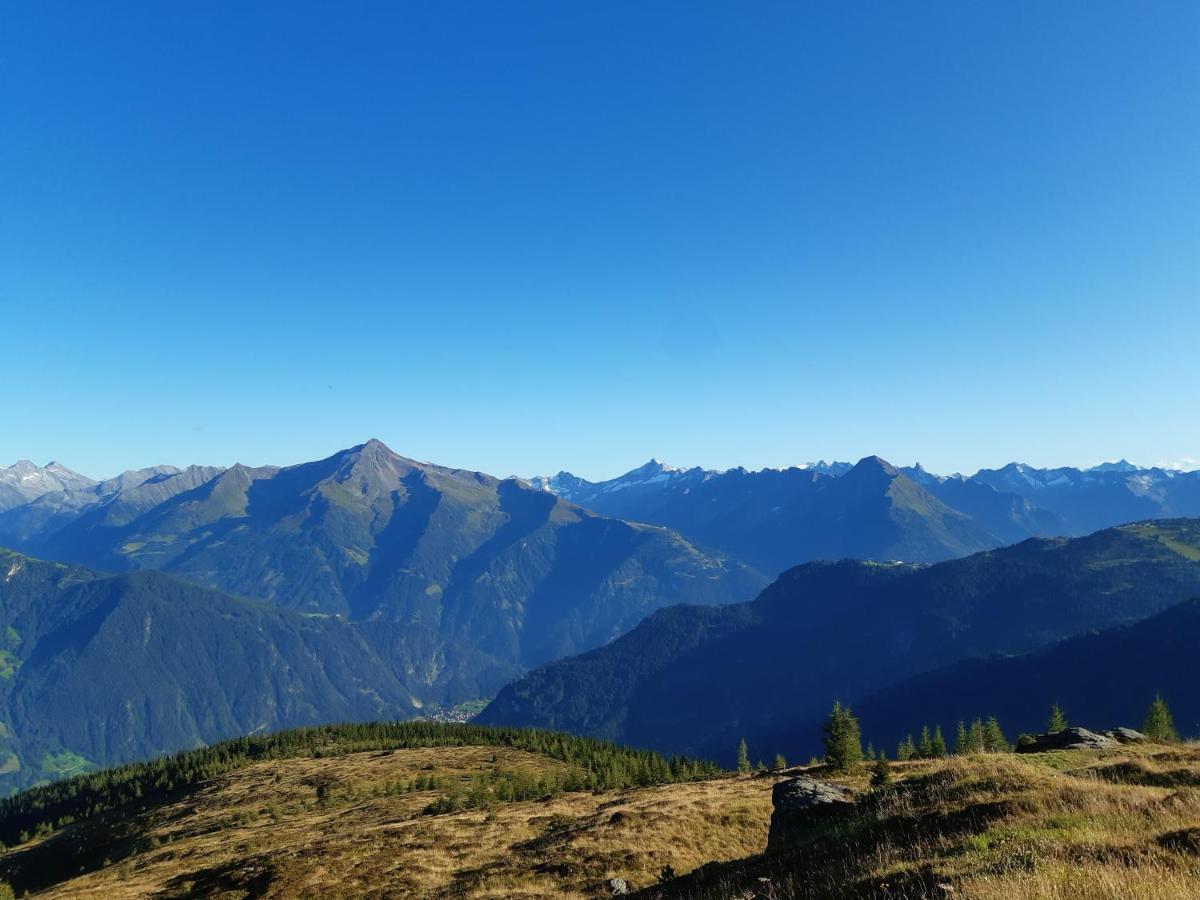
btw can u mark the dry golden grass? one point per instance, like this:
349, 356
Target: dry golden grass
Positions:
1115, 824
261, 832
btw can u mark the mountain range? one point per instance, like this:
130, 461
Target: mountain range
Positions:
693, 679
778, 518
191, 604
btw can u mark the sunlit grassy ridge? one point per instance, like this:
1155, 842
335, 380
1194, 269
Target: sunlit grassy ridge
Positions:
593, 765
1078, 824
346, 821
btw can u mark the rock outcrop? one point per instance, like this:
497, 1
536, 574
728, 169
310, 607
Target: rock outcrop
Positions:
803, 806
1078, 739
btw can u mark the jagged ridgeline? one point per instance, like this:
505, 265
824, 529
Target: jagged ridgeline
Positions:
597, 765
368, 535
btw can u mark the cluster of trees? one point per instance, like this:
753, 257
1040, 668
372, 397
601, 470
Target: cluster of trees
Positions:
492, 788
843, 739
600, 765
981, 736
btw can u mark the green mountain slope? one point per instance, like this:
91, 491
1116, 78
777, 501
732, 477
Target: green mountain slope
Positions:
98, 669
372, 536
772, 667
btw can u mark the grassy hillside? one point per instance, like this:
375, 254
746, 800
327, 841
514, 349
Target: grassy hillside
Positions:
1070, 825
369, 813
412, 809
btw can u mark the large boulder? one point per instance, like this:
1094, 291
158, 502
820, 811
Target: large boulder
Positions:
802, 806
1125, 736
1067, 739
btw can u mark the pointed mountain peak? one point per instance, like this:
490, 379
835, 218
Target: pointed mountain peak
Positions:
873, 465
374, 445
654, 467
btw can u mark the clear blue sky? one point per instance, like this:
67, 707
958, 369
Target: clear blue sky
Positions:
523, 237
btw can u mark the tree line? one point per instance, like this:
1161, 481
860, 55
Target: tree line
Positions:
843, 739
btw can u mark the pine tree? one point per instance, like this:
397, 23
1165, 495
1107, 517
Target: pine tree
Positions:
1159, 725
1058, 721
975, 736
938, 744
780, 761
925, 745
843, 738
870, 750
743, 757
994, 740
881, 772
962, 745
907, 749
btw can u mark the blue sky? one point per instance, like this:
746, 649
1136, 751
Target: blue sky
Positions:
523, 237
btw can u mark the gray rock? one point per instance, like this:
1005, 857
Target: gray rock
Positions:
1068, 739
1125, 736
802, 806
617, 887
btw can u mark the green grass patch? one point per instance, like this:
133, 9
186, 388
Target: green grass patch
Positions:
65, 764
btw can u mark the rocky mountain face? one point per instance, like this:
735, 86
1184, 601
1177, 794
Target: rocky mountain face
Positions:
368, 535
24, 481
690, 679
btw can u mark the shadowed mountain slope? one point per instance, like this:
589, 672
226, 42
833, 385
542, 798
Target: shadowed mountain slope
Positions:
695, 680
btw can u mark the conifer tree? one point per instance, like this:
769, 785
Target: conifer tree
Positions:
994, 740
1159, 725
962, 745
743, 757
881, 772
925, 744
780, 761
975, 736
1058, 721
843, 738
937, 746
907, 749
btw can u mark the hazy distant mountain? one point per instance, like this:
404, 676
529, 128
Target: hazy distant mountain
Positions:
776, 518
369, 535
113, 502
23, 482
1008, 516
1113, 493
691, 679
103, 669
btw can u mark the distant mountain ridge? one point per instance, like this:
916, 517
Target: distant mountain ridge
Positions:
776, 518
